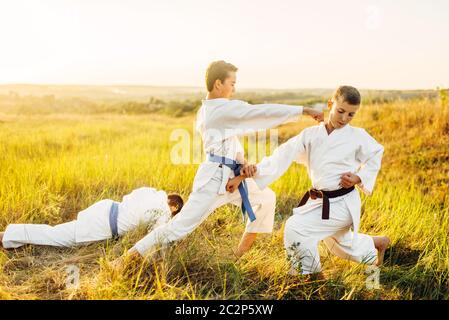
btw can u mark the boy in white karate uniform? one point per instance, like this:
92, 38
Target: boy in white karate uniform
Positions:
338, 157
103, 220
220, 121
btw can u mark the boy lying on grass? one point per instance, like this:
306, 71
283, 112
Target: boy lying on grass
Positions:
103, 220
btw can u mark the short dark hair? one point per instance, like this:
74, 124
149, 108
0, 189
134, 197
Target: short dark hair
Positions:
349, 94
218, 70
176, 201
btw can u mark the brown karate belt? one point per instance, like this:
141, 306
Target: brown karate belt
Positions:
325, 195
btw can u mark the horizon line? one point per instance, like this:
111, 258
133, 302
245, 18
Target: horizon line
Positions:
203, 88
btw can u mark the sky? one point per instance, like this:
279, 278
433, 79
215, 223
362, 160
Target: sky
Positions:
376, 44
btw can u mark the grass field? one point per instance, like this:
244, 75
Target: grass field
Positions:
53, 165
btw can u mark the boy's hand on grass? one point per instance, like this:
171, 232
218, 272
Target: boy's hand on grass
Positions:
349, 180
127, 262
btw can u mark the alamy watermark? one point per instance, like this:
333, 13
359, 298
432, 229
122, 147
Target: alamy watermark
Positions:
188, 149
73, 277
372, 282
373, 18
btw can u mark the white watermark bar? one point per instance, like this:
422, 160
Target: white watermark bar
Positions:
73, 277
188, 149
372, 282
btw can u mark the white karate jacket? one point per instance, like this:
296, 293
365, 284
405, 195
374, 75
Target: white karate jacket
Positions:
327, 157
221, 121
143, 205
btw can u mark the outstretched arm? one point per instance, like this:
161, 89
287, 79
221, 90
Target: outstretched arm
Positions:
240, 115
274, 166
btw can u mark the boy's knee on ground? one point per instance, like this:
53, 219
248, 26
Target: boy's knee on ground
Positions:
292, 235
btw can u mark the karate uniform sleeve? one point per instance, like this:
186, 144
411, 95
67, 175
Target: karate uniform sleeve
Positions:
240, 115
369, 154
274, 166
142, 246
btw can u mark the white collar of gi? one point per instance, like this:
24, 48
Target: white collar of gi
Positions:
214, 102
340, 130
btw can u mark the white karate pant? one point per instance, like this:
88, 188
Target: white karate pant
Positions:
202, 203
61, 235
304, 230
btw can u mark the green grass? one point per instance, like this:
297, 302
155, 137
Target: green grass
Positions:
54, 165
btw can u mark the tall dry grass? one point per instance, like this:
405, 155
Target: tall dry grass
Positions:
52, 166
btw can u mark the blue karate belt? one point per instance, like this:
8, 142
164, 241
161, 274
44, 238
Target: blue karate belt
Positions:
113, 216
243, 188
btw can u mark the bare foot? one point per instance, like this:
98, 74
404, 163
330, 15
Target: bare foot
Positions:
309, 278
19, 263
236, 256
293, 272
245, 243
381, 244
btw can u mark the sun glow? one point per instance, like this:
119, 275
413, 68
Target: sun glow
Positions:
279, 44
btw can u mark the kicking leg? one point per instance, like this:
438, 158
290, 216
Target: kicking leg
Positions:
263, 203
246, 243
198, 207
381, 243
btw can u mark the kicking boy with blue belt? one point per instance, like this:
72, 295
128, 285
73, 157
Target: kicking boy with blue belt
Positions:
220, 121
